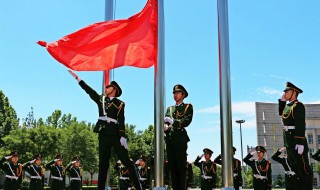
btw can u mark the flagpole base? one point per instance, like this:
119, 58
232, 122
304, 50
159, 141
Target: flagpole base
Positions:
159, 188
228, 188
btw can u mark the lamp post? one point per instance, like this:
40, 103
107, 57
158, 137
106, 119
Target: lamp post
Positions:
241, 121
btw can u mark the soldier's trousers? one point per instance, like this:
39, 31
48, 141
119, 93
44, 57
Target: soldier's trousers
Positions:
11, 184
57, 184
36, 184
301, 166
177, 158
292, 182
236, 183
105, 145
259, 184
207, 184
124, 184
75, 185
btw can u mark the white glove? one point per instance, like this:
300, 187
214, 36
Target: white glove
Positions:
253, 153
213, 188
283, 97
283, 149
169, 120
300, 148
8, 157
189, 188
123, 142
240, 188
56, 160
165, 127
32, 161
138, 162
73, 162
74, 75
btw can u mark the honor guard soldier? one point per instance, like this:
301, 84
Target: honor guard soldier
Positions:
177, 118
189, 175
208, 170
124, 180
111, 130
316, 156
294, 127
292, 181
12, 170
166, 174
57, 173
237, 174
36, 172
261, 169
143, 172
75, 174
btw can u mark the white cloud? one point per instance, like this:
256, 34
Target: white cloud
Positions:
270, 91
314, 102
242, 108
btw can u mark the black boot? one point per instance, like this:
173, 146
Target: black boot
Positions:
134, 176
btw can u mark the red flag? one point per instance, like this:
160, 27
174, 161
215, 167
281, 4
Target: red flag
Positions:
111, 44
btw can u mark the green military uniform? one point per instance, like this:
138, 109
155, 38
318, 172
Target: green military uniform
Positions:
177, 139
75, 175
57, 174
124, 180
237, 174
316, 156
111, 127
261, 170
144, 174
37, 174
189, 175
292, 181
293, 119
12, 173
208, 170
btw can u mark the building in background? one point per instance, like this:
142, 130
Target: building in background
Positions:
270, 133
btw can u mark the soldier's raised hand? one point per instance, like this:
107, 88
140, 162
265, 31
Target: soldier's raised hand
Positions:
73, 162
8, 157
283, 149
253, 153
32, 161
283, 97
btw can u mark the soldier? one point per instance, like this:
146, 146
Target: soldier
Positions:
176, 119
166, 174
12, 170
189, 175
124, 180
36, 172
208, 170
316, 156
261, 169
143, 172
57, 173
293, 118
111, 130
292, 181
237, 174
75, 174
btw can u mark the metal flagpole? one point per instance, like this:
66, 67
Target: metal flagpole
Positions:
109, 15
159, 78
225, 95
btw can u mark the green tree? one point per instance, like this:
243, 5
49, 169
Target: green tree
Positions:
8, 118
280, 181
248, 177
196, 176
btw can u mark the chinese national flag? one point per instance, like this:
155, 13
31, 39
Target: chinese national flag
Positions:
111, 44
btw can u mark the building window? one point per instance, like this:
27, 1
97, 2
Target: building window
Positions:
263, 118
315, 182
310, 139
318, 139
264, 128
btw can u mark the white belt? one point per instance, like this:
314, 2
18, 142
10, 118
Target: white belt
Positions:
206, 177
36, 177
108, 119
235, 175
290, 173
12, 177
259, 176
286, 128
57, 178
143, 179
75, 178
124, 178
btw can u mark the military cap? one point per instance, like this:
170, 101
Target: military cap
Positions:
115, 85
144, 158
37, 157
59, 156
76, 158
14, 153
290, 86
207, 151
261, 149
234, 149
180, 88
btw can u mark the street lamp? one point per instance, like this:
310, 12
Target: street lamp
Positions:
241, 121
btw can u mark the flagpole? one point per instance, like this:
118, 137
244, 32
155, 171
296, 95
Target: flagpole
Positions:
108, 74
109, 15
225, 95
159, 90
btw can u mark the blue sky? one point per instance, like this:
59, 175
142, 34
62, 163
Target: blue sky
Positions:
271, 42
